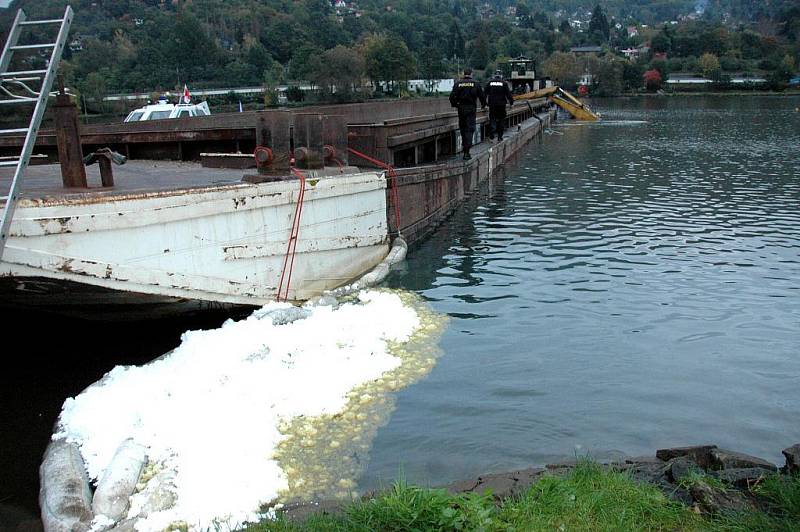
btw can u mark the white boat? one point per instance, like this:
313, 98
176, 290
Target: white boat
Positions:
163, 110
187, 245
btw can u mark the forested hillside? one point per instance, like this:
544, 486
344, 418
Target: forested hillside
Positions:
147, 45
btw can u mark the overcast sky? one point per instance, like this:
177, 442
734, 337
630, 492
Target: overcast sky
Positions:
4, 3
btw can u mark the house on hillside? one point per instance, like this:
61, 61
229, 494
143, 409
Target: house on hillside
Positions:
630, 53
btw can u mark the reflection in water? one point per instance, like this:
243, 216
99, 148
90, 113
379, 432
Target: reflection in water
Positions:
631, 284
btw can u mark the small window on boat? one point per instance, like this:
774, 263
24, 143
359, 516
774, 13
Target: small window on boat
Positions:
183, 112
201, 112
157, 115
134, 116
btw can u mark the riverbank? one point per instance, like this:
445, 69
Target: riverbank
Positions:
749, 92
687, 488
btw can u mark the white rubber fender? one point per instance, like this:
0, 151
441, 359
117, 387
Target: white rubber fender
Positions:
112, 496
64, 496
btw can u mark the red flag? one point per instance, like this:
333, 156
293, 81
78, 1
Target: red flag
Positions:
187, 98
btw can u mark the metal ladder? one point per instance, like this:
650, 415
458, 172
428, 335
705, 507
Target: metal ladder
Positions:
18, 81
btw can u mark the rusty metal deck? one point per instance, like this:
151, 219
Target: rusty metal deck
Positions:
134, 176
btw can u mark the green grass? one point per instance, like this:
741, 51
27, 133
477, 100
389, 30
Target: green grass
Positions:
597, 499
590, 498
781, 496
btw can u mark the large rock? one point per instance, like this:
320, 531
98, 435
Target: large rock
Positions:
724, 459
655, 474
715, 501
792, 455
700, 454
501, 485
680, 467
743, 477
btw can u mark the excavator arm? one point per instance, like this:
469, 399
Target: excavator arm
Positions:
563, 99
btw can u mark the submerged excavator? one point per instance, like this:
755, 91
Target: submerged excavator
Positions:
526, 86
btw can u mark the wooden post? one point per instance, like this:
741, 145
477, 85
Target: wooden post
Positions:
68, 138
106, 174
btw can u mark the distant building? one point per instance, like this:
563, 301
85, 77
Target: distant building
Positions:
633, 31
687, 80
746, 79
630, 53
431, 85
586, 50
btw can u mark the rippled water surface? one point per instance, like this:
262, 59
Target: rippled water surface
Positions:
628, 285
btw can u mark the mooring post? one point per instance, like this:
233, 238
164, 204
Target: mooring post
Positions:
106, 174
68, 139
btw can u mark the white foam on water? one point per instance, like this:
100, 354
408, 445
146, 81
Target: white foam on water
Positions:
210, 410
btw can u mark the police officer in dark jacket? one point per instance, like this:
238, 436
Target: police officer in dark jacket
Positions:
464, 96
498, 93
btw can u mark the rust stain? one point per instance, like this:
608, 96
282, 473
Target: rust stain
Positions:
109, 197
66, 266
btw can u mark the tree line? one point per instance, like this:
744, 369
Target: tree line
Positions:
150, 45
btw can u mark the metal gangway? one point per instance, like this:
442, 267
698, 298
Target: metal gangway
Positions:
18, 87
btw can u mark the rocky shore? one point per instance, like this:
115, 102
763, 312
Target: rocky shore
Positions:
706, 478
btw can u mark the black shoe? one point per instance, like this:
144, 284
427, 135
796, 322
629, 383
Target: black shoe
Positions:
499, 139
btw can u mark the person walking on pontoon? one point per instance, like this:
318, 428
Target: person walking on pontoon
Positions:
498, 93
464, 96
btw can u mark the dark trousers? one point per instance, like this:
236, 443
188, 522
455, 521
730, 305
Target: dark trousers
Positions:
466, 124
497, 120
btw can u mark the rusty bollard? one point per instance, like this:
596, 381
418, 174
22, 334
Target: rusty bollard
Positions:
104, 157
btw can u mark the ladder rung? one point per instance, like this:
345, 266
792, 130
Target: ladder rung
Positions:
22, 72
9, 163
35, 78
45, 21
18, 130
20, 100
32, 46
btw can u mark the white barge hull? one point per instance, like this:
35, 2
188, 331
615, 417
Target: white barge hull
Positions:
216, 245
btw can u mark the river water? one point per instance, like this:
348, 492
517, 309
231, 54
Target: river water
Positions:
629, 285
620, 287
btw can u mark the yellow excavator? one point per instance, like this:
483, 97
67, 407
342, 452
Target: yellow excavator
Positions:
563, 99
521, 72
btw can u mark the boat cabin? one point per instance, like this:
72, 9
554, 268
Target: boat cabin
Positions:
521, 72
163, 109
